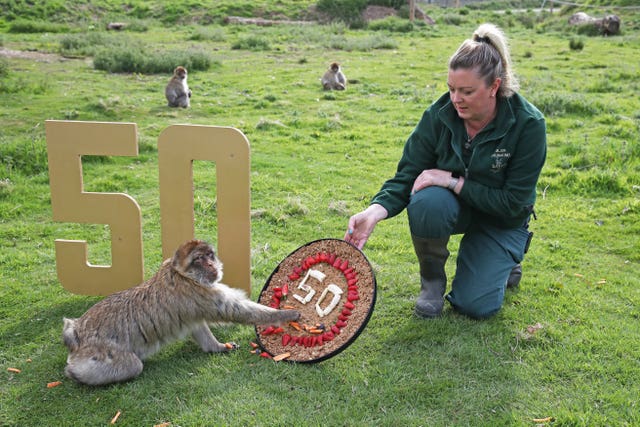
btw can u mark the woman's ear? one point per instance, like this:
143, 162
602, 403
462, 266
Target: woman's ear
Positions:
495, 86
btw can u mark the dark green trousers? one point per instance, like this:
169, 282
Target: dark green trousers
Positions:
486, 254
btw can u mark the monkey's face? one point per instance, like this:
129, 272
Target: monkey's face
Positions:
198, 261
180, 72
207, 266
335, 67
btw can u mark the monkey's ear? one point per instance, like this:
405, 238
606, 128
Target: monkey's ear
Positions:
181, 258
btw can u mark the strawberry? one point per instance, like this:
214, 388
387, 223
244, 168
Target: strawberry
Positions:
349, 305
285, 339
269, 330
341, 324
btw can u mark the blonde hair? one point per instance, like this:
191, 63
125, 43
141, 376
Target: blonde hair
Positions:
487, 52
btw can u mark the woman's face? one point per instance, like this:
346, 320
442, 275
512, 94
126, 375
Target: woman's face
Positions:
472, 98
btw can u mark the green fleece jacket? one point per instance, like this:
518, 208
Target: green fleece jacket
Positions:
501, 172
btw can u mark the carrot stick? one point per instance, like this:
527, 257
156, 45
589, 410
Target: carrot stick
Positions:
281, 357
115, 418
54, 384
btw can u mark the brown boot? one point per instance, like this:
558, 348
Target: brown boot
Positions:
432, 255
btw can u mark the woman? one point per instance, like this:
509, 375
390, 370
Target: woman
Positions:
470, 167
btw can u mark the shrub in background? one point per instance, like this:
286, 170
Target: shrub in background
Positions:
27, 26
347, 11
391, 23
576, 43
138, 60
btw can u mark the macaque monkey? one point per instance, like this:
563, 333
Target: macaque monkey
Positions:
110, 341
177, 91
334, 78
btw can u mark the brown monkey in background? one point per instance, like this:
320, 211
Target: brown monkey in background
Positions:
177, 91
334, 78
110, 341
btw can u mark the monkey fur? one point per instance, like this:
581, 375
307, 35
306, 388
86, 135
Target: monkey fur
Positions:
110, 341
334, 78
177, 91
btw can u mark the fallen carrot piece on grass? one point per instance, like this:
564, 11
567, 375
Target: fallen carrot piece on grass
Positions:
14, 370
115, 418
54, 384
281, 357
543, 420
167, 424
229, 345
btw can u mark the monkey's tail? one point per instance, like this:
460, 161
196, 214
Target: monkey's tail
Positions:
69, 335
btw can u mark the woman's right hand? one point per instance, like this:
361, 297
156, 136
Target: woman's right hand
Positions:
361, 225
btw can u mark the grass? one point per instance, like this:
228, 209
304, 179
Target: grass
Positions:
566, 344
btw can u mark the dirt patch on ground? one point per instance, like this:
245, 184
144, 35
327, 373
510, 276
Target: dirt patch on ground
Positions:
33, 55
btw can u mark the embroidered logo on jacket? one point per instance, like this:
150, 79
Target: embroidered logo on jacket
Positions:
500, 159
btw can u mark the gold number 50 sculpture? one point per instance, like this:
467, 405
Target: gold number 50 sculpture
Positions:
178, 147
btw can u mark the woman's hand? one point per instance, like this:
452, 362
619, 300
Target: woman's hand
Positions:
431, 177
361, 225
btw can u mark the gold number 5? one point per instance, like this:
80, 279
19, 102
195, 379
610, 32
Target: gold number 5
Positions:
66, 143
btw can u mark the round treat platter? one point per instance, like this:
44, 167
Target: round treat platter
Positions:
332, 284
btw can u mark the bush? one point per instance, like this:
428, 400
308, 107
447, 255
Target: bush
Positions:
348, 11
87, 44
253, 43
391, 23
138, 60
26, 26
576, 43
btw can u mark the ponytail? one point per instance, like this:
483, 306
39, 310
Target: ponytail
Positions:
487, 52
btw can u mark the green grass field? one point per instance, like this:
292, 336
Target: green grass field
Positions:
565, 348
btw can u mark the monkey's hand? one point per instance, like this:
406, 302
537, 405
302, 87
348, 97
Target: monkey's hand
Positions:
230, 346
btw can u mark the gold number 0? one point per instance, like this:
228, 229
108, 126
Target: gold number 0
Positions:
178, 146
